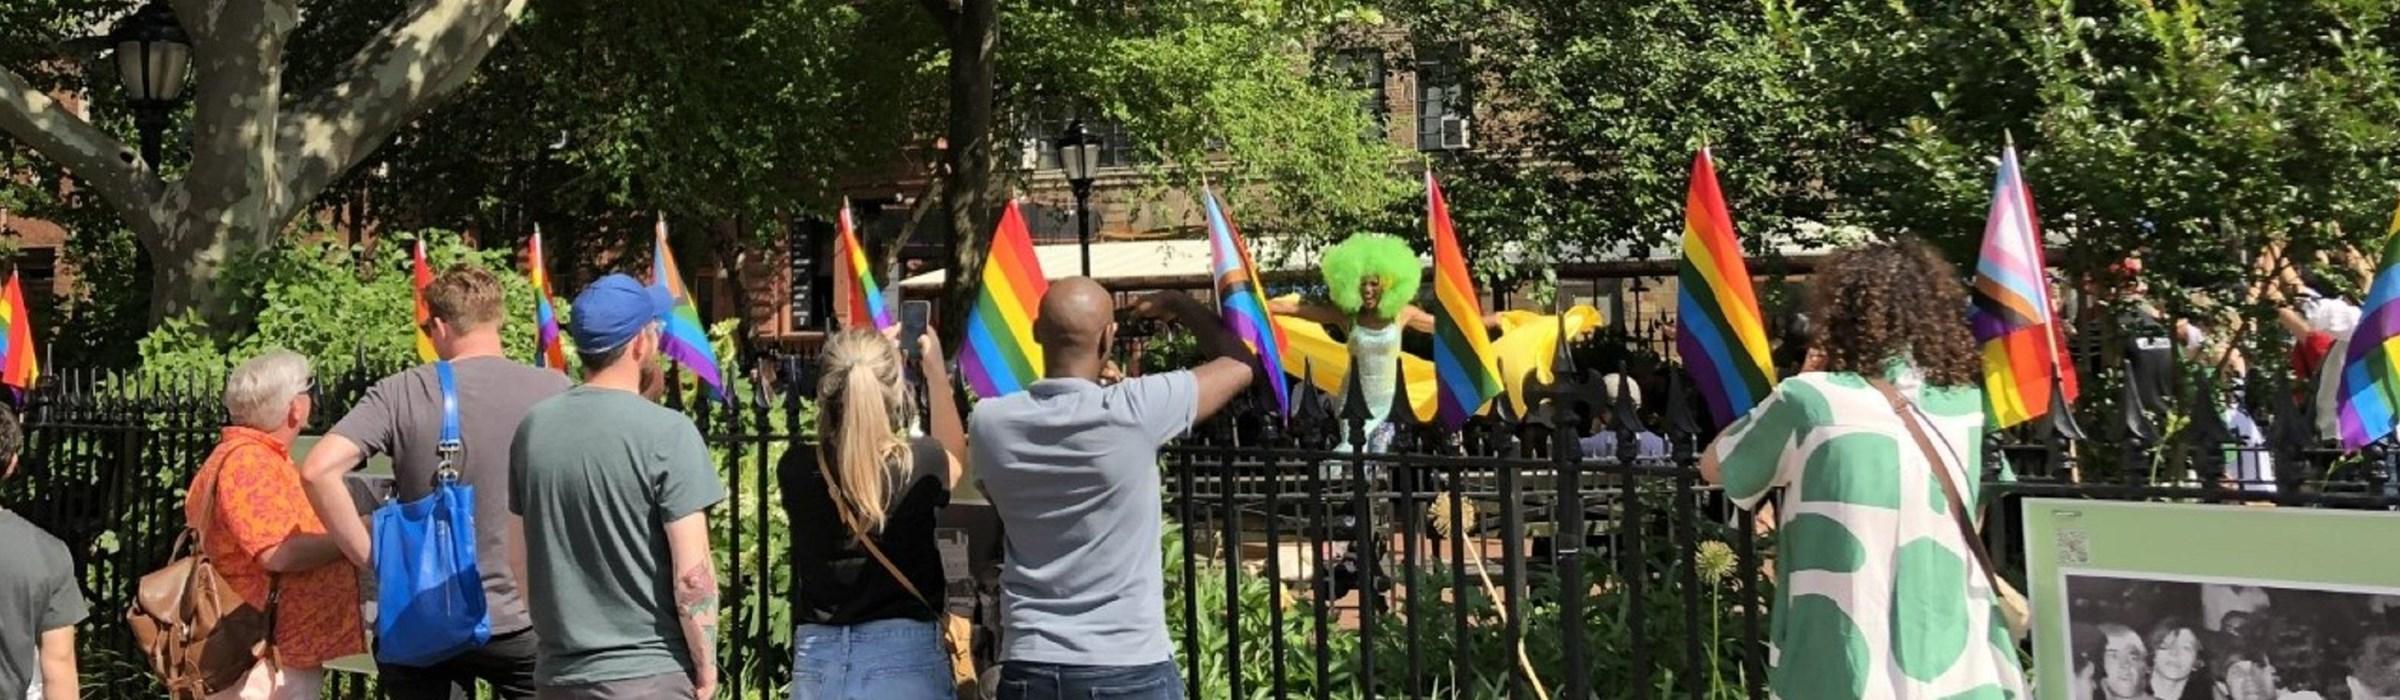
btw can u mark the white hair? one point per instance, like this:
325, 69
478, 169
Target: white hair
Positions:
1618, 384
259, 392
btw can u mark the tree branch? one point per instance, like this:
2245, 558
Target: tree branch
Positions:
95, 158
423, 56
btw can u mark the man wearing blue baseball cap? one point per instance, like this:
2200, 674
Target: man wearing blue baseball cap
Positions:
613, 490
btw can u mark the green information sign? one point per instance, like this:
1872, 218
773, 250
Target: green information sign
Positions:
2169, 601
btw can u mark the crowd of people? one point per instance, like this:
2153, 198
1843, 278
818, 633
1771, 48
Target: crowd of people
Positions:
590, 537
591, 543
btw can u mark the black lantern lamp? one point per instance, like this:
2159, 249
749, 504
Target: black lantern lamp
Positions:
153, 56
1079, 155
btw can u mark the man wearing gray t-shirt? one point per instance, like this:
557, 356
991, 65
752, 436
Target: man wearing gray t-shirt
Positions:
401, 416
1072, 468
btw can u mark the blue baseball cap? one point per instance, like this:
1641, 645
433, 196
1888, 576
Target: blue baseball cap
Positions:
614, 310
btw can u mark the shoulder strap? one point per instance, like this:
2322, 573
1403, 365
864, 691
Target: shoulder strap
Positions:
825, 470
1913, 417
450, 444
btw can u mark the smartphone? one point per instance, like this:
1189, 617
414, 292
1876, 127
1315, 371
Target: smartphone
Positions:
913, 317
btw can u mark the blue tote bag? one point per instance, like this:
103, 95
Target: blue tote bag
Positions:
428, 592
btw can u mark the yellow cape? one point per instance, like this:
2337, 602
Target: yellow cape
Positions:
1527, 344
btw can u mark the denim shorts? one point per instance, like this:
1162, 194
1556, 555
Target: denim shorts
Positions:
1038, 681
880, 660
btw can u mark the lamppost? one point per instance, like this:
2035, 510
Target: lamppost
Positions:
1079, 155
152, 54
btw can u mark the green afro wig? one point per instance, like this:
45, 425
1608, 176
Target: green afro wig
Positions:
1387, 258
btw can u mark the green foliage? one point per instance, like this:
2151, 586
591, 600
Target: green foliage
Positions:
321, 300
1606, 627
1217, 86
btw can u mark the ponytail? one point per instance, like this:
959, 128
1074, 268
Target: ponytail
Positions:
865, 408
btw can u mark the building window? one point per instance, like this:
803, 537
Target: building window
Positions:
1117, 148
1362, 70
1443, 112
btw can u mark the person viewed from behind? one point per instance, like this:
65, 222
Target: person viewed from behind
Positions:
256, 526
39, 599
1602, 442
867, 498
612, 490
1072, 468
2176, 671
401, 416
1889, 598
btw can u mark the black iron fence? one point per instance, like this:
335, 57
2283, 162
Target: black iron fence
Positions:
1502, 560
108, 459
1498, 560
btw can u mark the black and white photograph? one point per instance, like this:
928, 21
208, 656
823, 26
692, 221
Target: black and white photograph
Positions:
2143, 637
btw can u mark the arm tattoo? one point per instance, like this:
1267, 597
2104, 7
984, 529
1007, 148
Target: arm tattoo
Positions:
696, 605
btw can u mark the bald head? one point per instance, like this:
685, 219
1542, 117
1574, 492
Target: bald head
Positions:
1078, 316
1075, 313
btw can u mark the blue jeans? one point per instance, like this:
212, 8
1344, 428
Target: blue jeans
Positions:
1037, 681
880, 660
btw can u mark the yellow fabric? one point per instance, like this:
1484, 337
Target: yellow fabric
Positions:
1527, 344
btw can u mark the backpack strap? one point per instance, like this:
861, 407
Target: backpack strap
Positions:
448, 449
825, 469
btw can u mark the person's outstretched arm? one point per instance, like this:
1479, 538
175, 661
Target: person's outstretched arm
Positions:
1220, 379
1418, 320
941, 398
1309, 310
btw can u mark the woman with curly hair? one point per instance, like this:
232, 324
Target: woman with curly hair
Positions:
1370, 281
1884, 597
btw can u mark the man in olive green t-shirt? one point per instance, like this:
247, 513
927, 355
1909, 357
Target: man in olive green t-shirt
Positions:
613, 489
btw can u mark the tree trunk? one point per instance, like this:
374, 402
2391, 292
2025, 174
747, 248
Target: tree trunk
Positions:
258, 158
972, 28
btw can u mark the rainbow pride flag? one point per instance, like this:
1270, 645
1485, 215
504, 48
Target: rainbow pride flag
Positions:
2022, 349
864, 300
548, 351
422, 277
683, 338
1001, 357
19, 366
2370, 386
1463, 369
1717, 327
1243, 302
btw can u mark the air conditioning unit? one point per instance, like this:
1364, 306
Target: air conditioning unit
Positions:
1455, 130
1029, 154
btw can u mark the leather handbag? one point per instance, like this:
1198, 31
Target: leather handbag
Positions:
198, 634
958, 634
2014, 611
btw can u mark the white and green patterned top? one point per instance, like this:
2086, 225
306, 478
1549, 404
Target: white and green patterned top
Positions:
1878, 596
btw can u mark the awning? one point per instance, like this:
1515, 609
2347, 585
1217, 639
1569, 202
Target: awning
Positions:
1118, 264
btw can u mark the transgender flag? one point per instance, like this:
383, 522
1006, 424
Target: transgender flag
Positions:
2022, 346
2371, 369
1242, 302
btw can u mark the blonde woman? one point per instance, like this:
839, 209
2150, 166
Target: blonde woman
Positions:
866, 499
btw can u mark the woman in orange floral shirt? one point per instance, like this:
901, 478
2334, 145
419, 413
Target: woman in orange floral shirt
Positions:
257, 527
